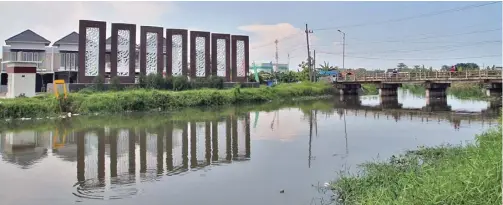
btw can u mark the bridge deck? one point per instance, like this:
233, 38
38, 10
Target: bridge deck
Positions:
414, 77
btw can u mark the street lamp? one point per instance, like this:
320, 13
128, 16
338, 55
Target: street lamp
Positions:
343, 47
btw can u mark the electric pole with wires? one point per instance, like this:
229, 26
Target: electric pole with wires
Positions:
309, 54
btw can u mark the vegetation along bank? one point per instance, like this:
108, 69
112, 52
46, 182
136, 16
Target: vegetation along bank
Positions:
457, 89
468, 174
154, 99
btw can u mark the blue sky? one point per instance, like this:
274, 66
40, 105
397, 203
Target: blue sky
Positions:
429, 41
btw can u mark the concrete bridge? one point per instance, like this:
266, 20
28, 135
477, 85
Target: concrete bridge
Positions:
435, 82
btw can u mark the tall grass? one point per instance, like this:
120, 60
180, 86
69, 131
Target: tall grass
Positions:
150, 99
370, 89
438, 175
132, 120
458, 89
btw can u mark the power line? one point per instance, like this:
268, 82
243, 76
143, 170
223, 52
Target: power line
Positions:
421, 59
434, 48
383, 22
412, 17
433, 37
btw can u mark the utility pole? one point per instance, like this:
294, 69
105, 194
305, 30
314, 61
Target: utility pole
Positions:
314, 65
288, 60
343, 48
277, 58
308, 53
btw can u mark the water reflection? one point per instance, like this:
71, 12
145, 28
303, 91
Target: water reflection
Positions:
117, 157
111, 162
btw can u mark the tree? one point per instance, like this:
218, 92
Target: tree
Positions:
467, 66
401, 66
445, 68
431, 68
417, 67
326, 66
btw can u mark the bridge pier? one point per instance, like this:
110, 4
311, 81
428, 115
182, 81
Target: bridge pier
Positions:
348, 88
493, 89
389, 89
436, 90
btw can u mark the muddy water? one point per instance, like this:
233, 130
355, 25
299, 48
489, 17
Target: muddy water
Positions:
236, 158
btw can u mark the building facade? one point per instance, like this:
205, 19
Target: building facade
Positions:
268, 67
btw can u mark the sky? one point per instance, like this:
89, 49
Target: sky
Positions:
379, 35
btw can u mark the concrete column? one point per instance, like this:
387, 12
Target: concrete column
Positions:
389, 89
348, 88
493, 89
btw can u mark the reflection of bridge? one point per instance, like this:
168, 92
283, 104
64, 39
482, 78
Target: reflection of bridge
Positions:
390, 107
113, 160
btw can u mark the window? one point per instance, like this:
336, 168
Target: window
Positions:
67, 60
62, 61
35, 57
72, 62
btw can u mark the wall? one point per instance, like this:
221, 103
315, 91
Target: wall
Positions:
21, 84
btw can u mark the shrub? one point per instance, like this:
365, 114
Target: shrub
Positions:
115, 83
148, 99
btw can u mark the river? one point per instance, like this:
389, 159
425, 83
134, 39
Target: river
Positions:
281, 156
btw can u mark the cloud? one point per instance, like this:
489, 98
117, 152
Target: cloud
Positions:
292, 40
53, 20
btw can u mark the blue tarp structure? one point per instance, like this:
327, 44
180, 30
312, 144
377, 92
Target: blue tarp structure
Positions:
328, 72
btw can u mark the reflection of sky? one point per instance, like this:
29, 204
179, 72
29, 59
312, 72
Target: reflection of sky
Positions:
409, 100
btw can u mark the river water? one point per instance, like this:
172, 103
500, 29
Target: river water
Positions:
279, 156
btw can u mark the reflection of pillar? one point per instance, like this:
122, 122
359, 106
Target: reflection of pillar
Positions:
214, 136
143, 151
228, 135
81, 156
185, 147
234, 137
101, 154
160, 150
132, 153
169, 146
113, 153
193, 145
247, 135
390, 102
207, 132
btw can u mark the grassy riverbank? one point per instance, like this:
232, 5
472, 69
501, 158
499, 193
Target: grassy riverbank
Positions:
159, 100
370, 89
459, 90
132, 120
440, 175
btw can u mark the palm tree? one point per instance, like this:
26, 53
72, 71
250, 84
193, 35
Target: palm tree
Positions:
326, 66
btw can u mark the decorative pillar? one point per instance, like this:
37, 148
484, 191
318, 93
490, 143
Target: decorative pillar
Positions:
151, 50
199, 54
240, 58
91, 50
176, 52
221, 55
123, 52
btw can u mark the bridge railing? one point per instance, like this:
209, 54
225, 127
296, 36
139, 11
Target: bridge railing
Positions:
421, 76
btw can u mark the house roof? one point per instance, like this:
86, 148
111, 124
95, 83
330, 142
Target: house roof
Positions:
72, 38
27, 36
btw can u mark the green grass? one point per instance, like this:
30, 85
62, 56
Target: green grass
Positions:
439, 175
154, 100
154, 119
458, 90
370, 89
